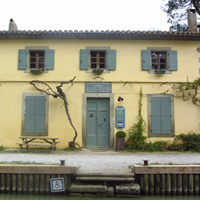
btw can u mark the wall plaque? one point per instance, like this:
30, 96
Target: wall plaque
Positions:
98, 87
120, 117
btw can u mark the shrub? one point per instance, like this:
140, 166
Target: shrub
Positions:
120, 134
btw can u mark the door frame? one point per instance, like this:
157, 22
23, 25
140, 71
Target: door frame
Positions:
84, 112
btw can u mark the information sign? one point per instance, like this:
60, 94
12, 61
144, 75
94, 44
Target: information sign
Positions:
120, 117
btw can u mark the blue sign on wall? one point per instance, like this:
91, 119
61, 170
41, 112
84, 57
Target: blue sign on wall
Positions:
57, 185
120, 117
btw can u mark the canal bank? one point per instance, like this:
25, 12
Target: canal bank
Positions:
103, 170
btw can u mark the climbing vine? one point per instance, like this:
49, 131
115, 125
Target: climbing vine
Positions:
135, 133
187, 91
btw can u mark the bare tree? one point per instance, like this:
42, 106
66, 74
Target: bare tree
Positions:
44, 87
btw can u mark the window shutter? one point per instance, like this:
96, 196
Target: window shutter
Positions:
161, 115
35, 114
84, 59
173, 60
155, 115
111, 59
22, 58
49, 58
146, 59
165, 115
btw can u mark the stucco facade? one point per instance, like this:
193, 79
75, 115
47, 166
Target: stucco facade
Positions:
126, 80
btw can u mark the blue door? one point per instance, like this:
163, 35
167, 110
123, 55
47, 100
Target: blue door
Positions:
98, 123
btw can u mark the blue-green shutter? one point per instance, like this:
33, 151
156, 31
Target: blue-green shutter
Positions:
84, 59
111, 59
161, 115
35, 114
173, 65
49, 58
22, 58
146, 59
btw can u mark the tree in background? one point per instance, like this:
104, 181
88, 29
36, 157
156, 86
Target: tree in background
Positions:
176, 11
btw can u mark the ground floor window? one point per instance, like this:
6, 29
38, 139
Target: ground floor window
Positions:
35, 114
160, 115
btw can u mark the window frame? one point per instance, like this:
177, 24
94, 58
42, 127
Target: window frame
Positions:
160, 50
97, 49
24, 95
36, 49
150, 134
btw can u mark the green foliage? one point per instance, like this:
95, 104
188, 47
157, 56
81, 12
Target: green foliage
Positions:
120, 134
186, 142
188, 90
176, 11
136, 139
1, 148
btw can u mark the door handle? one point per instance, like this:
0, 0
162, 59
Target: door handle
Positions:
100, 125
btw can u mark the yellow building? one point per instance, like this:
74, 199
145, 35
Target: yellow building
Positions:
128, 61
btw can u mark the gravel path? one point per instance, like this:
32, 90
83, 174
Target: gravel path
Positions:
100, 161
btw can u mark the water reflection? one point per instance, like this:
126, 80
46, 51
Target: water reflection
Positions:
62, 197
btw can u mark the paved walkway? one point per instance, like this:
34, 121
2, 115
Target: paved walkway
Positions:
99, 160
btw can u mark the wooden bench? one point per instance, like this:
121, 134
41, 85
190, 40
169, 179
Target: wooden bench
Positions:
38, 141
33, 144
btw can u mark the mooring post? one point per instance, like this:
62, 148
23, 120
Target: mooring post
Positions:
168, 184
196, 184
174, 184
190, 184
157, 184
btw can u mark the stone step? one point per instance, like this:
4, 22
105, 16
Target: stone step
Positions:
103, 174
105, 179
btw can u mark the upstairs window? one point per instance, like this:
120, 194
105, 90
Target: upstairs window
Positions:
36, 59
158, 60
101, 57
33, 58
97, 59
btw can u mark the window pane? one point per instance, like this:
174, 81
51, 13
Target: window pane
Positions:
102, 54
33, 54
93, 59
93, 54
41, 59
162, 60
33, 66
162, 66
93, 65
162, 55
154, 66
102, 66
41, 65
154, 57
33, 59
41, 54
102, 59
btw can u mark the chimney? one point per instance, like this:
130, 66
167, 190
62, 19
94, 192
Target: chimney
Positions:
12, 25
192, 20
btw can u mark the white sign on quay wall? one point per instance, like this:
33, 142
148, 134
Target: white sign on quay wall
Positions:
57, 185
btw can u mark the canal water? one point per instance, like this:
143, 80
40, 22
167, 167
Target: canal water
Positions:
59, 197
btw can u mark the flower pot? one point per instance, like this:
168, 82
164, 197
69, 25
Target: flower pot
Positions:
35, 71
120, 144
160, 72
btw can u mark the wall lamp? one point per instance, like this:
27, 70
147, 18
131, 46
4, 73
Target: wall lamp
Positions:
120, 99
198, 49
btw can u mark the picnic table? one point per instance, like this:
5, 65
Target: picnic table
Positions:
38, 141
